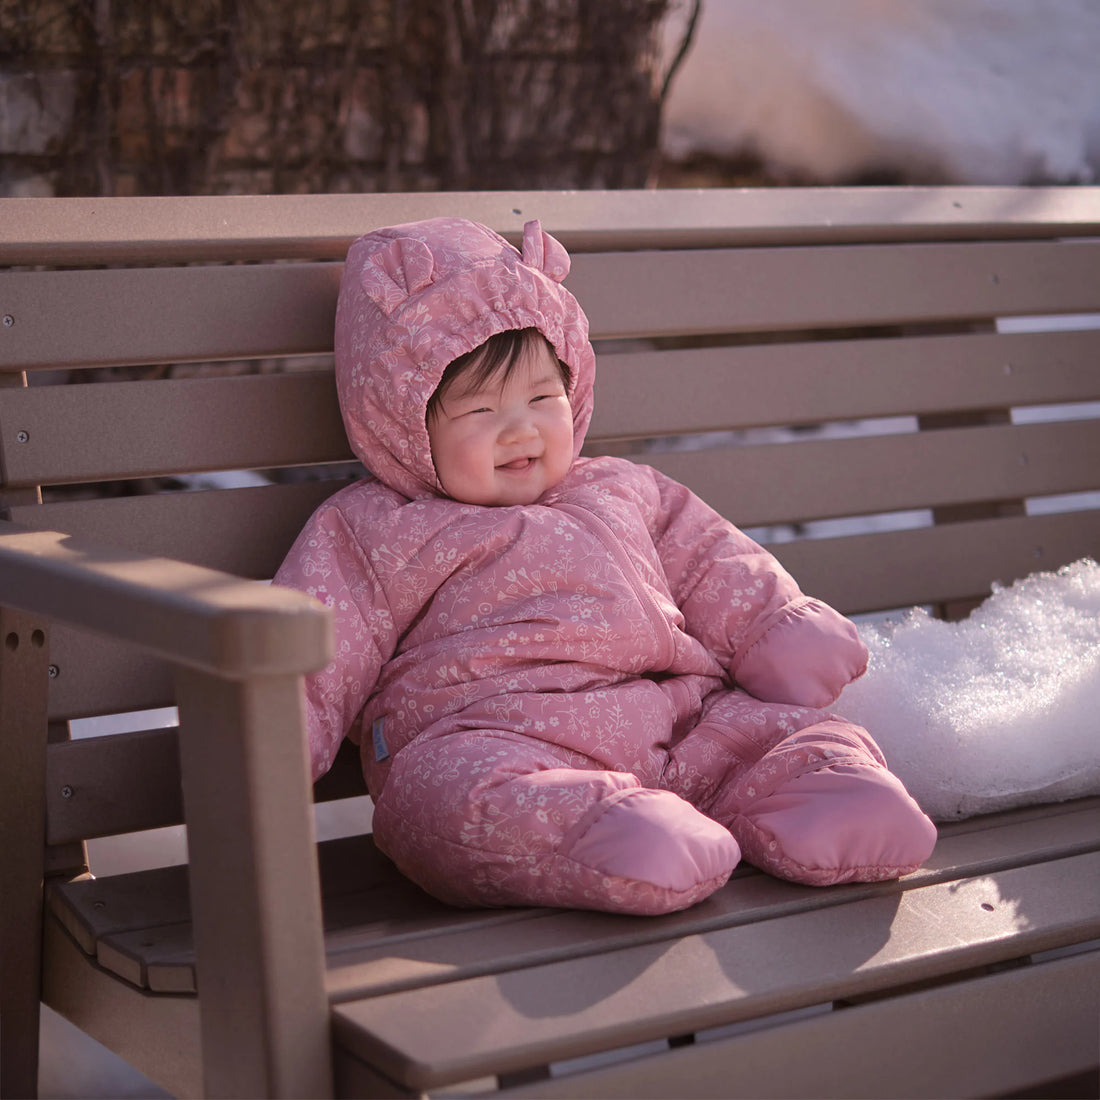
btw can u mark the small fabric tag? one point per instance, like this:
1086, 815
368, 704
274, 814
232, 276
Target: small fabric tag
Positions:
378, 736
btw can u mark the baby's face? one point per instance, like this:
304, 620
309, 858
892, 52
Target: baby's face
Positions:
508, 441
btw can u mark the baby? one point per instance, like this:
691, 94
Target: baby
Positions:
572, 682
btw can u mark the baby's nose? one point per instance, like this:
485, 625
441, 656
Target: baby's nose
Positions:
519, 426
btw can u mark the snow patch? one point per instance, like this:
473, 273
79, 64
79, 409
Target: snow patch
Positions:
1001, 709
962, 91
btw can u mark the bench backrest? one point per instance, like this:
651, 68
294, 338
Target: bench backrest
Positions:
843, 365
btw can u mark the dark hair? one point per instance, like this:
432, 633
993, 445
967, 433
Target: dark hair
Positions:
498, 353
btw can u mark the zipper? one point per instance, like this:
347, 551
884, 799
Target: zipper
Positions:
603, 531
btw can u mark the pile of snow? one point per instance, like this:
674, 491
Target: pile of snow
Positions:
999, 710
964, 91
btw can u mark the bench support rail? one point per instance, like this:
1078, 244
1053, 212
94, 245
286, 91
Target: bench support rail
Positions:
24, 673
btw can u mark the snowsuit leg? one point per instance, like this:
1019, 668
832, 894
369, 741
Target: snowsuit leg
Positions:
806, 794
491, 818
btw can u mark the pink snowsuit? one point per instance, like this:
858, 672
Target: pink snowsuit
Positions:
600, 700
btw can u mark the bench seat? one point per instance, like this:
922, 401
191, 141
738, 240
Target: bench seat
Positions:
398, 962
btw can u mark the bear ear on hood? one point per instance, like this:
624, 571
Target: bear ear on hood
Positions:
543, 252
396, 272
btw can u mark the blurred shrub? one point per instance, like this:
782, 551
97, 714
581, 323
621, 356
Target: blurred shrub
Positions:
164, 97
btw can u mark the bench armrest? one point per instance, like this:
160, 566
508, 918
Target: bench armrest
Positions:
242, 648
197, 617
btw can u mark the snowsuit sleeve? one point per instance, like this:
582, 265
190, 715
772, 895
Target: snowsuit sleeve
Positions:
328, 561
778, 644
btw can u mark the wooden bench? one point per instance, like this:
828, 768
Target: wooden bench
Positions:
741, 335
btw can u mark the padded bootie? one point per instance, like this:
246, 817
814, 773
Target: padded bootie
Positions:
657, 840
842, 823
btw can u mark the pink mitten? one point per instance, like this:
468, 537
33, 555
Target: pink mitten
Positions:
806, 655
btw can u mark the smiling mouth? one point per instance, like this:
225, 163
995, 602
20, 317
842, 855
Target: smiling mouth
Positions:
517, 464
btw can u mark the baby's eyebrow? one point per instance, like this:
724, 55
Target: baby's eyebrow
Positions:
458, 392
549, 379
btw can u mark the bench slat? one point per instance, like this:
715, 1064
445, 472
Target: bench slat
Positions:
100, 676
79, 433
130, 429
385, 935
139, 316
245, 531
892, 569
812, 479
895, 1046
163, 958
533, 1016
166, 315
816, 479
130, 782
391, 964
934, 565
255, 227
756, 290
96, 788
653, 394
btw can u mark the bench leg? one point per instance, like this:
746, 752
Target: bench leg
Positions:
24, 678
254, 896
